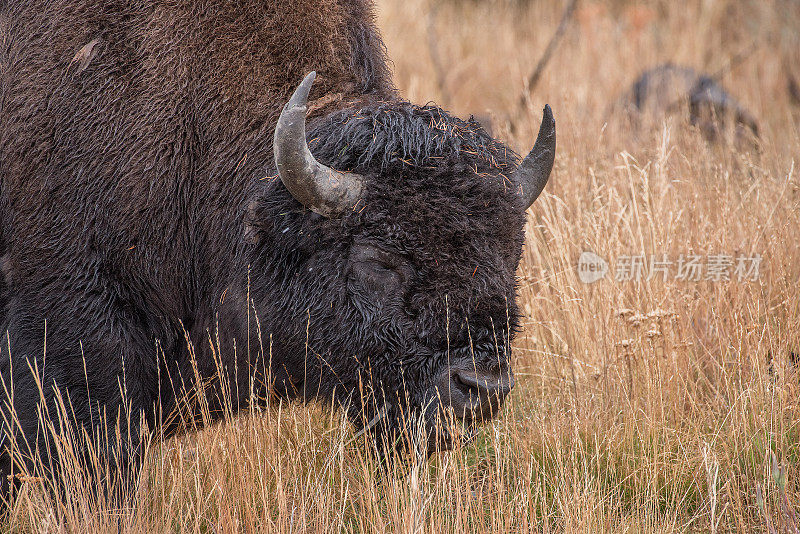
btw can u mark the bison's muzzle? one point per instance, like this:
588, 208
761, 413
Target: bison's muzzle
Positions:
473, 395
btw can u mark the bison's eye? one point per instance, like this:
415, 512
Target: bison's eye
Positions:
376, 273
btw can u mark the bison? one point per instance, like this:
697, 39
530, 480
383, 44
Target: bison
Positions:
669, 88
165, 219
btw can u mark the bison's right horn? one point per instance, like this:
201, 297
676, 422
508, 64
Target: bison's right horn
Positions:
532, 174
321, 189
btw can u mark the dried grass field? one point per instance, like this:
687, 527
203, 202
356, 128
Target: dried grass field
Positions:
643, 403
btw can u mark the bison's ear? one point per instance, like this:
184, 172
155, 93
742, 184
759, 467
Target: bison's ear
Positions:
532, 174
319, 188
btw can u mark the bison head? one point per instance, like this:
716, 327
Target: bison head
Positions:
395, 295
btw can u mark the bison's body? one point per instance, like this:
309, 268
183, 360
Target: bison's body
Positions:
140, 206
669, 89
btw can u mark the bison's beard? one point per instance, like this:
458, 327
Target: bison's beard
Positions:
414, 430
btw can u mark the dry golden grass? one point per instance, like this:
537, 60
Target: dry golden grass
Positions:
650, 406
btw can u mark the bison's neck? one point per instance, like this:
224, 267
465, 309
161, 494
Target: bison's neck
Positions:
149, 122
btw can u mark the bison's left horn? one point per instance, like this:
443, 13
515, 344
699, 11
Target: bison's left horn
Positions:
321, 189
532, 174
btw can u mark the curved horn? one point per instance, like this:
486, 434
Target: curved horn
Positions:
533, 172
321, 189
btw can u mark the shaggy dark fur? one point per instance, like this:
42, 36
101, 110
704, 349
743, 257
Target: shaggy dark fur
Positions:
139, 202
398, 135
